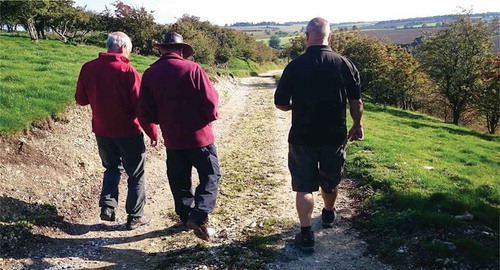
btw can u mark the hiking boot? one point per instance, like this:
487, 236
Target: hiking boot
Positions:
134, 222
200, 230
305, 242
328, 217
108, 213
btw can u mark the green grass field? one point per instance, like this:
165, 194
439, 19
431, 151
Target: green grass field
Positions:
417, 174
38, 80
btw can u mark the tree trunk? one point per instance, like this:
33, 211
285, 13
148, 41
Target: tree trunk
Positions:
30, 27
456, 115
492, 123
61, 35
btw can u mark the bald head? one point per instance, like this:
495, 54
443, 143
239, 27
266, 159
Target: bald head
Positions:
318, 32
119, 42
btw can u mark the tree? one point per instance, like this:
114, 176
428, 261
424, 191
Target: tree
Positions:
137, 22
487, 100
10, 14
274, 42
455, 58
24, 12
296, 47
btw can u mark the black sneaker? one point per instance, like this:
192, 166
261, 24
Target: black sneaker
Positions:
200, 230
108, 213
328, 217
305, 242
134, 222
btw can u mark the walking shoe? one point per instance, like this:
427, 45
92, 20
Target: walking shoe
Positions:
200, 230
108, 213
134, 222
328, 217
305, 242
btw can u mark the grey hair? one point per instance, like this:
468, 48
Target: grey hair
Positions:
115, 41
318, 25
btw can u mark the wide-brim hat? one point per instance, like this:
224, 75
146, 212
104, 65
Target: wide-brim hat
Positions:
175, 39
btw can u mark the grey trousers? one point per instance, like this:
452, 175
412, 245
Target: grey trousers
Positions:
123, 153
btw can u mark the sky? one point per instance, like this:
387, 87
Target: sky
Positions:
221, 12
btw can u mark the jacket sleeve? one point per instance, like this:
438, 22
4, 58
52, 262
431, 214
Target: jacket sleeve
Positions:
209, 98
81, 94
147, 106
148, 127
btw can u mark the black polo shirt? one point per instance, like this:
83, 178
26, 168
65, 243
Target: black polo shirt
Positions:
318, 84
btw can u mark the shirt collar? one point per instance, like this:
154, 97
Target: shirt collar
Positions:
113, 56
317, 48
170, 55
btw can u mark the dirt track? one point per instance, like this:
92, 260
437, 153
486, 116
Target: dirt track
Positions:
60, 166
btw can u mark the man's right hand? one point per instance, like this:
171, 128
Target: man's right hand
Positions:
356, 133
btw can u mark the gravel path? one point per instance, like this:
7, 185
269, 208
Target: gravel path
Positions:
60, 166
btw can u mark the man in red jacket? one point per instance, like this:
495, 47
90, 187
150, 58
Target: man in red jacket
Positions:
177, 94
111, 86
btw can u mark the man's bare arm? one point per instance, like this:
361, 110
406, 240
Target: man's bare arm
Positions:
356, 110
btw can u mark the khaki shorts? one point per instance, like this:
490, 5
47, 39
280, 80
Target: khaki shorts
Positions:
312, 167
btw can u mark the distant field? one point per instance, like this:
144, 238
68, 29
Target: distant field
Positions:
283, 40
263, 32
399, 36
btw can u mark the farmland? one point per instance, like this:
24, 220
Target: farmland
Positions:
396, 31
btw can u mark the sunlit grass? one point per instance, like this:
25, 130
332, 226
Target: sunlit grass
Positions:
38, 80
418, 173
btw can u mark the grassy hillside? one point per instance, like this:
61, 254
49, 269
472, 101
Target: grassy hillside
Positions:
431, 190
37, 80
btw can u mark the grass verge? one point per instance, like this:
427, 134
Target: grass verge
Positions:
432, 190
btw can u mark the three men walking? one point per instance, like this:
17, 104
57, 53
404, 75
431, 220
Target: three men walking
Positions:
177, 94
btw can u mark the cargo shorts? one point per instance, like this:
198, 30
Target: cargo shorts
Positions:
312, 167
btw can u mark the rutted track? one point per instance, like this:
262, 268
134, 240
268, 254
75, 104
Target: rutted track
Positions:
60, 166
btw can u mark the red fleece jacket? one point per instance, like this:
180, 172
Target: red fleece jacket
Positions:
111, 86
177, 94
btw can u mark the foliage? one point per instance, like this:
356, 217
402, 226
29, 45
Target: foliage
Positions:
487, 98
455, 58
389, 73
274, 42
214, 45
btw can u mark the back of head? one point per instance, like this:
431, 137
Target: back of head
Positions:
117, 41
318, 31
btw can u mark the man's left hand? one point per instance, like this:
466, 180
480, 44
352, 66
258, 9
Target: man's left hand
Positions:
356, 133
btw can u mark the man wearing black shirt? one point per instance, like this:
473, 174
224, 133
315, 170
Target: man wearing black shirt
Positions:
316, 87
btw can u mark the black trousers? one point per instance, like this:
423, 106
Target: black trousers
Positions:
179, 167
129, 154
